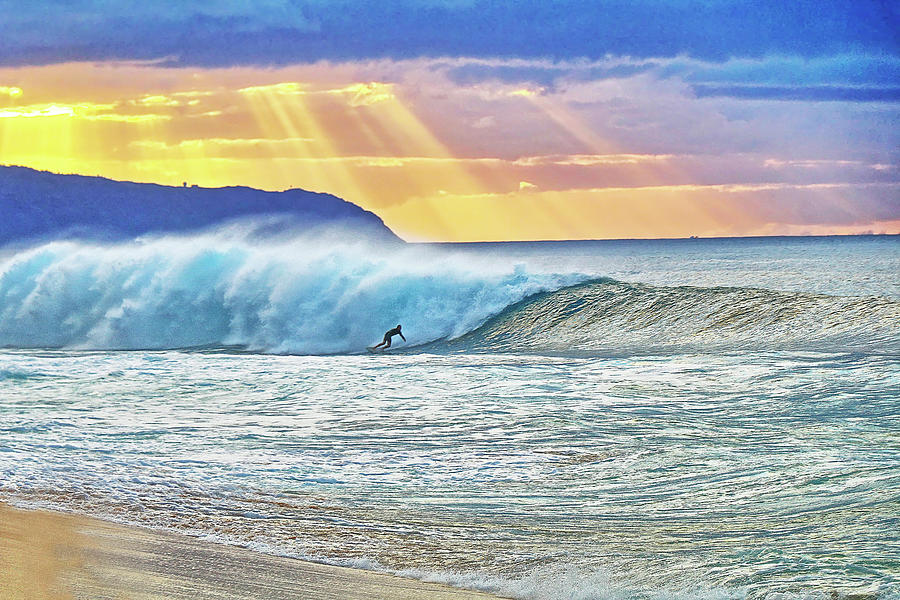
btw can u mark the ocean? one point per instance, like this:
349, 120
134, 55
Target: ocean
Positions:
703, 418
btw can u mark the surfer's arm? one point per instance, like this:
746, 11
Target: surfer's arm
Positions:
401, 335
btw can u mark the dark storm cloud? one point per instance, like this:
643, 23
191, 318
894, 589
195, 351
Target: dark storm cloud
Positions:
275, 32
544, 75
843, 77
808, 94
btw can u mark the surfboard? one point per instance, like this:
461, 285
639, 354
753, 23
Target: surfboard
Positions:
374, 350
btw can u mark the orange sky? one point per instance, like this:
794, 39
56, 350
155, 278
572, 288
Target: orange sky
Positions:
436, 159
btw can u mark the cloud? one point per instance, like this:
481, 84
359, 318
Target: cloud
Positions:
11, 91
356, 94
816, 164
238, 148
850, 77
365, 94
590, 160
277, 32
485, 122
392, 134
805, 94
851, 69
290, 88
157, 100
84, 110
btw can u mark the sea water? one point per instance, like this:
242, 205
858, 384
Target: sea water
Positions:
635, 419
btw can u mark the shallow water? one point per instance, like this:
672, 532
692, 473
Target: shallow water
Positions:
737, 469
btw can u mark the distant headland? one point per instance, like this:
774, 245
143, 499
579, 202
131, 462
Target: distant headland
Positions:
38, 205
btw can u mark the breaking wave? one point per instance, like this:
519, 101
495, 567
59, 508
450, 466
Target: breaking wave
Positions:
333, 292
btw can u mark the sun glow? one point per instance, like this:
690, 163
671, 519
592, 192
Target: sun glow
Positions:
436, 160
11, 91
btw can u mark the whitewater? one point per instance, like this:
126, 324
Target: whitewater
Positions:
573, 420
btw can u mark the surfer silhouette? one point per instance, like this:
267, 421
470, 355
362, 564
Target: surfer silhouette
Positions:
386, 342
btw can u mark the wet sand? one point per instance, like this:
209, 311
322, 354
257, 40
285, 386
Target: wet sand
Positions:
55, 556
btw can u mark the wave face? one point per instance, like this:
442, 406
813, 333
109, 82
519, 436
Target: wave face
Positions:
606, 316
312, 294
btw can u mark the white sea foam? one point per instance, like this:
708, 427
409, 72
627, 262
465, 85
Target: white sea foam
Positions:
322, 293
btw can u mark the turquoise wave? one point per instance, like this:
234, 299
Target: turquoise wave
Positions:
607, 316
335, 293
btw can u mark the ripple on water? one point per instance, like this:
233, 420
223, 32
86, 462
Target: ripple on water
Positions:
744, 476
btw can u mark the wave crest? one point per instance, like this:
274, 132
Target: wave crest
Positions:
312, 294
612, 316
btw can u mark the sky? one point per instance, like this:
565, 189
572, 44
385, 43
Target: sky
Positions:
472, 120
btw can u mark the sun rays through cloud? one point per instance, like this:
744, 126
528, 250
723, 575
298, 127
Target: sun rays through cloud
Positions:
598, 149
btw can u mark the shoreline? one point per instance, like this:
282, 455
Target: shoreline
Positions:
50, 555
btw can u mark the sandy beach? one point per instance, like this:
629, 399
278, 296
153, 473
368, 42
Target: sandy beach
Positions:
46, 555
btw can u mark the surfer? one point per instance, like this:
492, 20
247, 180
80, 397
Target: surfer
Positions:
386, 342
